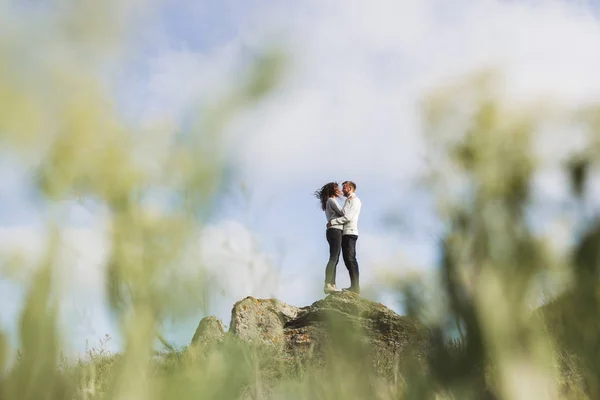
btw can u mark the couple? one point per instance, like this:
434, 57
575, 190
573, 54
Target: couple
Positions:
342, 232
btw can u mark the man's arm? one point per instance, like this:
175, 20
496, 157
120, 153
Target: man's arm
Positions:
350, 210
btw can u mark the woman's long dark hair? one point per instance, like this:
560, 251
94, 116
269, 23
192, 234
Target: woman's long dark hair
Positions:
327, 191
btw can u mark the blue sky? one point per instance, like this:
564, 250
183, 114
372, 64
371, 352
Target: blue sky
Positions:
346, 109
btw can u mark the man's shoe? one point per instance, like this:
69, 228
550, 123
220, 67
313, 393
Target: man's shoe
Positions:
329, 288
351, 289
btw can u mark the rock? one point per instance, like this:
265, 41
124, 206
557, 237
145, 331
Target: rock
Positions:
209, 332
261, 321
345, 321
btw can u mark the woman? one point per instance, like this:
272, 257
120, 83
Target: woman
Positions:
327, 196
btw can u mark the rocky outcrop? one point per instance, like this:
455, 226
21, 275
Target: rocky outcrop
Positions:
209, 332
341, 322
345, 320
263, 321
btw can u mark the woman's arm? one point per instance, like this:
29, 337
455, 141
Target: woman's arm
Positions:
336, 207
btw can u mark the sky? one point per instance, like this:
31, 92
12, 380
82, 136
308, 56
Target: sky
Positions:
346, 109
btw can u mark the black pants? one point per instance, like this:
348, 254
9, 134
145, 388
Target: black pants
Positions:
349, 254
334, 238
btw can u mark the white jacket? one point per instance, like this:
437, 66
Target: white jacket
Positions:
351, 212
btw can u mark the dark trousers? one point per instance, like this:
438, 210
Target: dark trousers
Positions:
349, 254
334, 238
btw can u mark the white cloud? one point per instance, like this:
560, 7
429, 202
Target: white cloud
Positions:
232, 255
349, 105
78, 277
228, 251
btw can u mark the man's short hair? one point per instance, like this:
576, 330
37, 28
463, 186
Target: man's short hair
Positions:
351, 184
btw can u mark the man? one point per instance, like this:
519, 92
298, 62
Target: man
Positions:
349, 220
